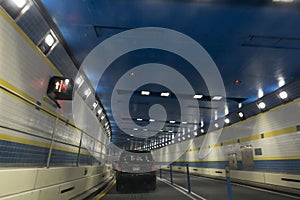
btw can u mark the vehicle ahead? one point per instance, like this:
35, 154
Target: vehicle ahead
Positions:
136, 169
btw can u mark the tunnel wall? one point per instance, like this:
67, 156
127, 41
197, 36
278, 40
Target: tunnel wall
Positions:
275, 132
27, 121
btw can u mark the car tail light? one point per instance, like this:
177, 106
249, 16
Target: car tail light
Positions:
118, 169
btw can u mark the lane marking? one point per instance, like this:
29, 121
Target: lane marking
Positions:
182, 190
106, 191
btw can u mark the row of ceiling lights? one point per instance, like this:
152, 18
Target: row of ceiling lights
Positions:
283, 95
167, 94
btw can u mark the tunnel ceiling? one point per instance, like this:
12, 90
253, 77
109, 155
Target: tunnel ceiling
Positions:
254, 45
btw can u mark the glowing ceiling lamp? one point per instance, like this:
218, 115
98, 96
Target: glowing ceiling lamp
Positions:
261, 105
19, 3
49, 40
283, 95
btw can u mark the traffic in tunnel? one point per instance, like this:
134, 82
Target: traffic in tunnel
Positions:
149, 99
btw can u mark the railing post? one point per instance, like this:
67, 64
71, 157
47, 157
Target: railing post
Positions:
79, 149
229, 190
51, 143
171, 175
188, 178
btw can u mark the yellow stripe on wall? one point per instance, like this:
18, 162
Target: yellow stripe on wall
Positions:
229, 142
23, 141
13, 96
16, 90
279, 158
281, 132
250, 138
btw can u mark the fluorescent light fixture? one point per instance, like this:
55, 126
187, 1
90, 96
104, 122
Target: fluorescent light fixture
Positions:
151, 120
241, 114
260, 93
217, 98
183, 138
227, 120
195, 133
216, 114
189, 136
87, 92
79, 80
161, 130
240, 105
139, 119
19, 3
178, 139
216, 125
173, 142
145, 129
95, 104
284, 1
281, 82
170, 131
226, 111
165, 94
131, 135
99, 111
202, 123
184, 122
49, 40
198, 96
202, 130
172, 122
102, 117
261, 105
283, 95
146, 93
135, 129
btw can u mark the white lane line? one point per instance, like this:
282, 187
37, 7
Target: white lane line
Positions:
182, 190
250, 187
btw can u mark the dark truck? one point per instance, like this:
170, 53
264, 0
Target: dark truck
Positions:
135, 169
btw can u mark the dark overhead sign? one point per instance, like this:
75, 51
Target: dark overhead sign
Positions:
60, 88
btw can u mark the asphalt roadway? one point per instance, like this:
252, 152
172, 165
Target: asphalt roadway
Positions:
201, 188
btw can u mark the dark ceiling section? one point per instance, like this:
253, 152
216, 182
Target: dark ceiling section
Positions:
253, 43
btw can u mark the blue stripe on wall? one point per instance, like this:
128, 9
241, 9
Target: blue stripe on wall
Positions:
17, 153
12, 152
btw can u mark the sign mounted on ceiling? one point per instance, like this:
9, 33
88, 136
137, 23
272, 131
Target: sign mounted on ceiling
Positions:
60, 88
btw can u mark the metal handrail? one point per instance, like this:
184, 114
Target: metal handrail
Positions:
52, 139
